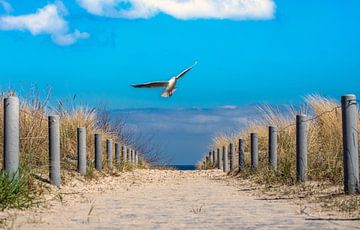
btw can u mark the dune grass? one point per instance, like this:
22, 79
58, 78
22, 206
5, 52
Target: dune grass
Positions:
16, 193
34, 109
324, 141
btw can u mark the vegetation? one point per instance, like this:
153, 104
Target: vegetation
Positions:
16, 193
324, 142
34, 109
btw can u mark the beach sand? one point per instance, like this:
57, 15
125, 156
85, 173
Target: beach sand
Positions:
163, 199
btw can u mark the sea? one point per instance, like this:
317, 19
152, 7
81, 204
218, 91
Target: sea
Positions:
183, 167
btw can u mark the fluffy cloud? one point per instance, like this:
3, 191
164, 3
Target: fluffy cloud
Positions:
47, 20
182, 9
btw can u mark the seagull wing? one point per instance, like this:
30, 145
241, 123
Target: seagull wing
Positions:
185, 71
156, 84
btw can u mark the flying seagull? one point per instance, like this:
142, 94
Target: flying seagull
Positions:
168, 85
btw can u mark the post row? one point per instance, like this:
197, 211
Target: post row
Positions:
11, 146
225, 160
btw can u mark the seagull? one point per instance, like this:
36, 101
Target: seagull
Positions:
168, 85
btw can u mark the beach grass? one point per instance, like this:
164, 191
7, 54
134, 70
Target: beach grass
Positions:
325, 161
34, 161
17, 192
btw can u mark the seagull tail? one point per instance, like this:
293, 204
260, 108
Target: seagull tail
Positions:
168, 93
165, 94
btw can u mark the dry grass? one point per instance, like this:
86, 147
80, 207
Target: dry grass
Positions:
323, 192
34, 110
34, 131
324, 141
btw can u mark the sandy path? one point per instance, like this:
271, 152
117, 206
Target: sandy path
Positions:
154, 199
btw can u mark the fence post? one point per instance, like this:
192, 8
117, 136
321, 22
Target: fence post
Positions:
124, 152
254, 151
225, 158
129, 155
98, 152
54, 150
132, 156
109, 153
232, 157
81, 149
136, 158
301, 147
273, 147
214, 158
219, 159
117, 153
241, 154
350, 143
11, 136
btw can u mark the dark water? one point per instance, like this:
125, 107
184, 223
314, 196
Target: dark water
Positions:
183, 167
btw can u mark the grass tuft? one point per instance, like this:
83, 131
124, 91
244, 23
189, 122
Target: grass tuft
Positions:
16, 193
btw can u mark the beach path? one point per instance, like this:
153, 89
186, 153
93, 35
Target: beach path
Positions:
164, 199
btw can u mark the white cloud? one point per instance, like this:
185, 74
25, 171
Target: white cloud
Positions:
228, 107
182, 9
47, 20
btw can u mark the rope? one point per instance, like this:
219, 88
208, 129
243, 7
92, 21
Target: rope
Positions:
323, 113
310, 119
352, 102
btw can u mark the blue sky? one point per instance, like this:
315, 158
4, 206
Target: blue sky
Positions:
247, 51
309, 46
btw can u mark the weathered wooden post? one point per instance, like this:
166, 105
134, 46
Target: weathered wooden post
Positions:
241, 154
206, 162
232, 157
11, 136
98, 152
214, 158
117, 153
109, 153
136, 158
350, 143
254, 151
301, 147
81, 149
124, 153
219, 159
273, 147
54, 150
225, 158
210, 158
129, 155
132, 156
